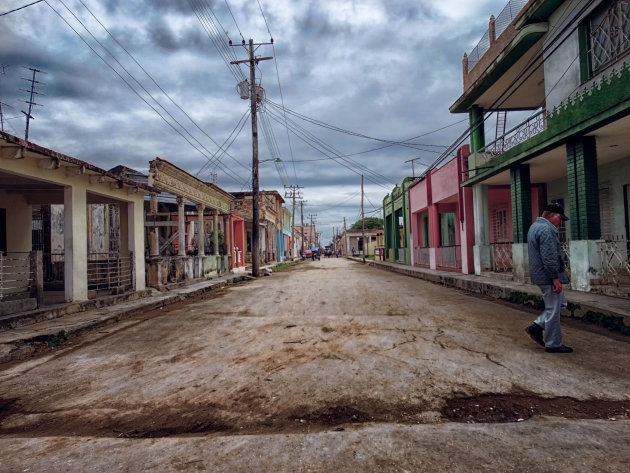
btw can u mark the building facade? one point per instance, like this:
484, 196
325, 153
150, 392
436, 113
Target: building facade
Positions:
567, 64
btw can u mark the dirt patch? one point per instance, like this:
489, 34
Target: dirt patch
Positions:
497, 408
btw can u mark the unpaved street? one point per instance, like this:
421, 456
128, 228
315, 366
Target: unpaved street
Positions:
331, 366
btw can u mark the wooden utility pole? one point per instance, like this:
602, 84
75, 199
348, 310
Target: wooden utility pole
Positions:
302, 222
254, 100
363, 222
294, 193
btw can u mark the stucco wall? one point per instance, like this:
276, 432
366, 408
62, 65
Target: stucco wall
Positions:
562, 64
18, 222
445, 181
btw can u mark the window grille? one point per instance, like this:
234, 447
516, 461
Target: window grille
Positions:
609, 34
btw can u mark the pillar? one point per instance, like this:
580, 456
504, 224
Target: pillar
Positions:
521, 196
201, 232
482, 252
226, 234
583, 189
75, 243
181, 227
215, 230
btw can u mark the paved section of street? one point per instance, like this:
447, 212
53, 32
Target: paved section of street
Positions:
330, 366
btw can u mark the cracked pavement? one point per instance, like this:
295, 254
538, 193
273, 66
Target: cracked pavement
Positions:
353, 368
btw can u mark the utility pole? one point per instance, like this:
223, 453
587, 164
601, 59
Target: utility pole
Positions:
254, 99
294, 192
302, 202
345, 236
312, 229
363, 222
30, 102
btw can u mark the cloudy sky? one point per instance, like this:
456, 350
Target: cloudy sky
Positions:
366, 82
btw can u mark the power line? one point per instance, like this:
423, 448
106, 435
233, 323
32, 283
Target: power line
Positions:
228, 171
220, 148
230, 10
325, 148
21, 8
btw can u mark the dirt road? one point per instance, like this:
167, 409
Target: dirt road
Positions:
329, 366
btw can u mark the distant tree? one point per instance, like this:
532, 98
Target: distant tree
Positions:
370, 223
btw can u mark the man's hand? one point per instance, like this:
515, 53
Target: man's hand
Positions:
557, 287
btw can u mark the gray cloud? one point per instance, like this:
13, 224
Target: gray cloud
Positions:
385, 69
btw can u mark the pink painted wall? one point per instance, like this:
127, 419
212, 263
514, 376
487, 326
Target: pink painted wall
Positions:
438, 193
445, 181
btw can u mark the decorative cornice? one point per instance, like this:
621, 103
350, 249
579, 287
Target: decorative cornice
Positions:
169, 178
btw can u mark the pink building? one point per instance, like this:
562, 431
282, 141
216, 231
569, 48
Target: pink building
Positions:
441, 228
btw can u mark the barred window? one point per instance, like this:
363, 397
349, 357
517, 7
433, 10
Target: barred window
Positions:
609, 36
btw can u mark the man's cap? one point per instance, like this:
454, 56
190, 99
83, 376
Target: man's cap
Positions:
557, 209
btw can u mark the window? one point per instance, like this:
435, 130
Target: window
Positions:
447, 229
425, 230
500, 226
608, 34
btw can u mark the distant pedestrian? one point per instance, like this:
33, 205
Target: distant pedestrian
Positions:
546, 267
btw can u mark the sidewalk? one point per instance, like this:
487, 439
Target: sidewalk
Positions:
22, 334
604, 310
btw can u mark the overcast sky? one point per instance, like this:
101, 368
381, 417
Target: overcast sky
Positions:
384, 69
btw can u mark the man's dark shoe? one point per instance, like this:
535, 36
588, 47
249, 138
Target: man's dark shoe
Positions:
535, 331
560, 349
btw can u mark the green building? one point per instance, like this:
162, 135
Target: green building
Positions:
567, 63
396, 222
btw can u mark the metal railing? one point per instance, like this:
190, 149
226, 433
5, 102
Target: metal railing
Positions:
422, 256
518, 134
505, 18
449, 256
16, 274
502, 260
108, 271
615, 254
401, 255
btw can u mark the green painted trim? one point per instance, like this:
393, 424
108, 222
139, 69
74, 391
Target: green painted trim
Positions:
521, 43
520, 190
602, 104
585, 57
539, 11
477, 126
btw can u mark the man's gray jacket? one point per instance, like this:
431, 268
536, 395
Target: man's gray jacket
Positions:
545, 254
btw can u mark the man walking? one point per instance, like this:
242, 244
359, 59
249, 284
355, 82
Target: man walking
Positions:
546, 268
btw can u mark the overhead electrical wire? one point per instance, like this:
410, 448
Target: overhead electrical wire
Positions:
325, 148
220, 148
21, 8
225, 146
228, 171
275, 55
209, 22
328, 150
351, 133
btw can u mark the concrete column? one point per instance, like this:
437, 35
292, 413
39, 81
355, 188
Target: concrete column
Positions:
181, 227
75, 244
215, 236
482, 252
226, 234
134, 222
201, 232
154, 243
